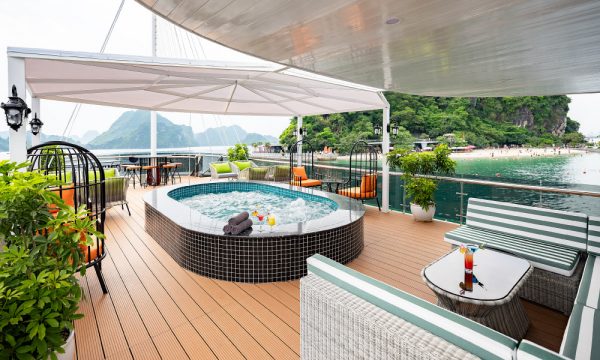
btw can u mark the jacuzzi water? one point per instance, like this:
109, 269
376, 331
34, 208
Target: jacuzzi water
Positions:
286, 209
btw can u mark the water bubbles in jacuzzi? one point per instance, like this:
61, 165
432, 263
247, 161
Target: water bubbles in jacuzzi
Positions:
286, 209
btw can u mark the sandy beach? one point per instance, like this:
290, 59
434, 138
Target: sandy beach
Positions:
515, 153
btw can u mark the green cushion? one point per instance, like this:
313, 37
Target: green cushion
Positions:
541, 254
95, 175
243, 164
222, 168
594, 235
567, 229
581, 339
531, 351
589, 287
458, 330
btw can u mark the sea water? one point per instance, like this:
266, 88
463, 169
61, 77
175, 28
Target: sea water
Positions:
286, 209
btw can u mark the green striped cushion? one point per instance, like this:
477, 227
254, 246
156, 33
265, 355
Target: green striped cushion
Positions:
460, 331
594, 235
589, 287
542, 255
531, 351
582, 336
557, 227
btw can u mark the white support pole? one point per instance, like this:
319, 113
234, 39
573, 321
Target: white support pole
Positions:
153, 124
17, 139
385, 147
299, 137
35, 109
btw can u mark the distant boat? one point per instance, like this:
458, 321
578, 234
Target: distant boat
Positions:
327, 157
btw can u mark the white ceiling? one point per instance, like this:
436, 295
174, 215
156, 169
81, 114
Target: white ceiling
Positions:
189, 86
437, 47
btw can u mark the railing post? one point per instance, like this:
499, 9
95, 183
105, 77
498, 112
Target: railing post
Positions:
541, 201
461, 193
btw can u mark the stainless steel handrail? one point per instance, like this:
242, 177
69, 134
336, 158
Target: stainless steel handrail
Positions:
499, 184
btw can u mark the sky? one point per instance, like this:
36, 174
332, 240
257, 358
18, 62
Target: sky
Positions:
81, 25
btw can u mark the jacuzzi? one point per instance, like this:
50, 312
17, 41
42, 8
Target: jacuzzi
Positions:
196, 240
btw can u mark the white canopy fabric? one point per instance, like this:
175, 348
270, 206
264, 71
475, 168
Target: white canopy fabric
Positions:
188, 86
425, 47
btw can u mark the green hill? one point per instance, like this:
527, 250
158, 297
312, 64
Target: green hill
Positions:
528, 120
230, 135
132, 131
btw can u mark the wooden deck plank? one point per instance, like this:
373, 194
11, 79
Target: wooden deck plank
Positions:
157, 309
87, 338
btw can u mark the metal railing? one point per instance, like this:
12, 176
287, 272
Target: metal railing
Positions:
551, 196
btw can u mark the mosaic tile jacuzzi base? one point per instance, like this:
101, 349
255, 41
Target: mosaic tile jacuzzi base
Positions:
260, 257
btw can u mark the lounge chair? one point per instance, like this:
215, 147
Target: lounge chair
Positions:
301, 179
222, 170
366, 190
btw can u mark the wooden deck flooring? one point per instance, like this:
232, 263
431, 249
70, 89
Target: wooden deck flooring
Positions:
157, 310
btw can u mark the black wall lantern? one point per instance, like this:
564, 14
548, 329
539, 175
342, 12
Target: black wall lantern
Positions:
36, 125
377, 130
296, 132
15, 109
393, 129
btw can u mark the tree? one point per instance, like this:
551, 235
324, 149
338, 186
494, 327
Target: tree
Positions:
238, 152
573, 138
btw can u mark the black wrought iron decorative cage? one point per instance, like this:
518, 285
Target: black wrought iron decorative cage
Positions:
82, 182
303, 171
361, 183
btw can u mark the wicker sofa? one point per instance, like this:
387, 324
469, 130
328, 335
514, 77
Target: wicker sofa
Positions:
347, 315
554, 242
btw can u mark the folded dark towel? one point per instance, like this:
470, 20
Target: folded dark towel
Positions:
227, 229
236, 220
238, 229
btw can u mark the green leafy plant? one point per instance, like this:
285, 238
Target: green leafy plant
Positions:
43, 239
421, 190
238, 152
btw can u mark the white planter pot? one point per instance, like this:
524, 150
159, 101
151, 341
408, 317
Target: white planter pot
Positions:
421, 215
69, 347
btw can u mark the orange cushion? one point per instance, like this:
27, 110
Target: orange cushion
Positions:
67, 193
355, 193
368, 183
299, 172
307, 183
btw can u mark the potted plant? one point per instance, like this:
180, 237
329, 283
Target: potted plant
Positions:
42, 239
416, 168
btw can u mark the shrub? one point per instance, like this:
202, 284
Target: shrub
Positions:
238, 152
39, 293
412, 164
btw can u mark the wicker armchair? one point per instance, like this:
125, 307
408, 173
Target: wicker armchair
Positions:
254, 174
216, 173
278, 173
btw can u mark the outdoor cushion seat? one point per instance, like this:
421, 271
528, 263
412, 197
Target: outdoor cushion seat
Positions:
550, 257
589, 287
550, 239
593, 245
531, 351
581, 336
356, 193
436, 322
307, 183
